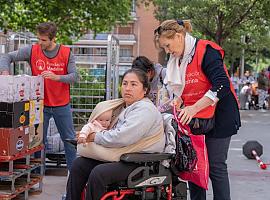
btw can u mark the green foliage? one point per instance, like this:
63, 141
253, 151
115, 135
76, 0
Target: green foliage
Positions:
89, 90
73, 17
86, 93
223, 21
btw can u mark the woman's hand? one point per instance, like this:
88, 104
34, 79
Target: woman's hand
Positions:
91, 137
81, 139
186, 114
177, 102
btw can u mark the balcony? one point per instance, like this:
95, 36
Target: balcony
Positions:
126, 59
90, 59
101, 39
94, 59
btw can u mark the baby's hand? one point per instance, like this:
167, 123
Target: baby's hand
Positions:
82, 139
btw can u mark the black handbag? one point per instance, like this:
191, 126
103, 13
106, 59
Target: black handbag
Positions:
201, 126
185, 158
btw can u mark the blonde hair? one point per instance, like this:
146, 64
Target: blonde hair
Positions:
169, 28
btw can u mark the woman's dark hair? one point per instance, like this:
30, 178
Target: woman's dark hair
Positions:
141, 76
143, 63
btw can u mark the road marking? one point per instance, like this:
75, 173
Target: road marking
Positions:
235, 149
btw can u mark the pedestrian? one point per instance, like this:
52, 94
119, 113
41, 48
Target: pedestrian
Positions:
245, 96
197, 75
236, 82
155, 72
263, 85
159, 94
56, 64
248, 77
138, 122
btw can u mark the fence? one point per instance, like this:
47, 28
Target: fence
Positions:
99, 74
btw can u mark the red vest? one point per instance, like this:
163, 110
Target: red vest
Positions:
55, 93
197, 84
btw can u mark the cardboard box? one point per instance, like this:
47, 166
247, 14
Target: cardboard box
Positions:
13, 141
13, 115
14, 88
35, 135
36, 87
36, 112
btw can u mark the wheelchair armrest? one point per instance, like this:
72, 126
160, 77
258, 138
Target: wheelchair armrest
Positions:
145, 157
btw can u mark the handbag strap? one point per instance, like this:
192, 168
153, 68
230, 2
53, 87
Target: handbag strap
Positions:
183, 128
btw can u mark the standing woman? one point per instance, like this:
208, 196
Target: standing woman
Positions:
197, 75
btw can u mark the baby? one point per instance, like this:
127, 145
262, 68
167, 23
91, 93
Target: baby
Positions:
102, 122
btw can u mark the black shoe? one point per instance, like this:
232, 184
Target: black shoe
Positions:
71, 141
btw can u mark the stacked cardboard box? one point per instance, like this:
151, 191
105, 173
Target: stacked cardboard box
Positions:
21, 108
36, 111
21, 134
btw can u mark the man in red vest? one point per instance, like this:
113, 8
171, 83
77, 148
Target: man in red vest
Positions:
56, 64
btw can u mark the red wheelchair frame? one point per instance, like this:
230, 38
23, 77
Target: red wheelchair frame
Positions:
155, 180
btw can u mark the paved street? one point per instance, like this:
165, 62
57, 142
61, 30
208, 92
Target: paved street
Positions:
248, 181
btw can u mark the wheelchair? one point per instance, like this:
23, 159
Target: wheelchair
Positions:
150, 181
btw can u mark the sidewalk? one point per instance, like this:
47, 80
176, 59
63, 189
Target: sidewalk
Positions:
248, 181
54, 183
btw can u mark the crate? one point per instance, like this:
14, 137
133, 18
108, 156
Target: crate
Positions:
17, 173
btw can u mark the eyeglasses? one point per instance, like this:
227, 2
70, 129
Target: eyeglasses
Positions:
159, 29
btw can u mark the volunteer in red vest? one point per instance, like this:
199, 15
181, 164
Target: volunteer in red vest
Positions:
198, 78
56, 64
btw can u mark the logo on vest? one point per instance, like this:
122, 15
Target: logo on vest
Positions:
192, 77
40, 64
55, 66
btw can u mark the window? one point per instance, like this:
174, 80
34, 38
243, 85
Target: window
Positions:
125, 52
83, 50
101, 51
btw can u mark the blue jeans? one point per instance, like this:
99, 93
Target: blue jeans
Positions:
63, 119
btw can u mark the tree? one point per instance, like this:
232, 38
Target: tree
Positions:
73, 17
222, 21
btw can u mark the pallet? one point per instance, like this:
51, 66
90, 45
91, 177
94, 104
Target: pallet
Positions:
17, 173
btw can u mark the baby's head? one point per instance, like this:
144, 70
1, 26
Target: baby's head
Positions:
105, 119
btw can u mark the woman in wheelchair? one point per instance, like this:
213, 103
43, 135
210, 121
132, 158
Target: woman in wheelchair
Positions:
138, 121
